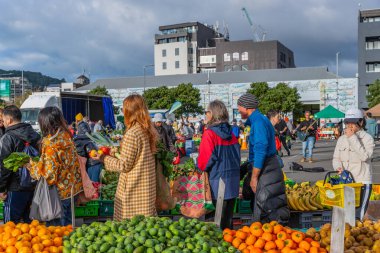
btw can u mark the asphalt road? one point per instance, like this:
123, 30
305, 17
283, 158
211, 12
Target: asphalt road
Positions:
322, 156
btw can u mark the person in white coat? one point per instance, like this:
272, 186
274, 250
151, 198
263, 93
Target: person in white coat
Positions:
353, 152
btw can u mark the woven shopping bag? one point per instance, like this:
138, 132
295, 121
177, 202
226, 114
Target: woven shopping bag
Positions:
193, 194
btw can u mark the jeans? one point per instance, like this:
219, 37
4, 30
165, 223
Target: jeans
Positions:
66, 214
94, 172
308, 145
364, 201
17, 206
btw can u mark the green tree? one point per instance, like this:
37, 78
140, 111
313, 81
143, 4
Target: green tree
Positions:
190, 98
158, 98
281, 97
163, 98
373, 97
98, 90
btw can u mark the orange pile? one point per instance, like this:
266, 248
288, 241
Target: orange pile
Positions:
272, 238
33, 237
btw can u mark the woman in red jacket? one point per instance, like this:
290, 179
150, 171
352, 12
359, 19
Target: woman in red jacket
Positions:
219, 155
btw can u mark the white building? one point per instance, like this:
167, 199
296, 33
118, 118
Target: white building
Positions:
317, 87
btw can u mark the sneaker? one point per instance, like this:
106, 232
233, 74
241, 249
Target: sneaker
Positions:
310, 160
302, 160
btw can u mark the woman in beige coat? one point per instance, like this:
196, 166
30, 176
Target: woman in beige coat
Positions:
353, 152
136, 190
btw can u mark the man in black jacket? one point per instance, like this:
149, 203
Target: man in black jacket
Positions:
17, 199
170, 130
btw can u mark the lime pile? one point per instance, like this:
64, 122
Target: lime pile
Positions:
148, 235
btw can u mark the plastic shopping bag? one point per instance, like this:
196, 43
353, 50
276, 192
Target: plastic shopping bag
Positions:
89, 190
46, 204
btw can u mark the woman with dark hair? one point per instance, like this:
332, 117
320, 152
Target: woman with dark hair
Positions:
58, 162
136, 190
353, 152
219, 155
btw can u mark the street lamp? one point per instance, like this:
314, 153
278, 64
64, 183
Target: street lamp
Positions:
146, 66
208, 82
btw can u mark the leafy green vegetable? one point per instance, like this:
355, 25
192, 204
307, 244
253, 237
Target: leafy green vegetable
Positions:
166, 159
17, 160
183, 169
101, 140
108, 177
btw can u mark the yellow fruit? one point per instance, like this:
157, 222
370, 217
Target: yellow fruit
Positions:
100, 152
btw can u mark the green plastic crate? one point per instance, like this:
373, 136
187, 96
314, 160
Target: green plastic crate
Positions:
1, 210
245, 206
91, 209
106, 208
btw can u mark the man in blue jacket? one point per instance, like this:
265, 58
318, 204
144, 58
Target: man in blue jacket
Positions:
267, 180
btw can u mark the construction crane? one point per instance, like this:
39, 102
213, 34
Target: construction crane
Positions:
254, 27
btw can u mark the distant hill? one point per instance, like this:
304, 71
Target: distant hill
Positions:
35, 78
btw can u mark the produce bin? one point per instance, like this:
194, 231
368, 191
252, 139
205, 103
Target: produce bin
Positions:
106, 208
91, 209
1, 210
244, 206
333, 195
306, 220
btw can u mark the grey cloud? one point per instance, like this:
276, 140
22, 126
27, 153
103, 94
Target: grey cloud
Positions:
116, 37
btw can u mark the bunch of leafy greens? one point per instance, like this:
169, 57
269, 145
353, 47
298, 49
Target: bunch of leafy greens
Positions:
166, 159
17, 160
109, 177
184, 169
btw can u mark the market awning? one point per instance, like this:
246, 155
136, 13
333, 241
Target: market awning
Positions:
330, 112
375, 111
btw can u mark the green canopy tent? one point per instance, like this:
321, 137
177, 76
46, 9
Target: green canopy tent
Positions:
330, 112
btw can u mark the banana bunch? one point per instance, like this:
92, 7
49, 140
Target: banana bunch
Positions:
303, 197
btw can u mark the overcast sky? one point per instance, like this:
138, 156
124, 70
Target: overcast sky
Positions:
111, 38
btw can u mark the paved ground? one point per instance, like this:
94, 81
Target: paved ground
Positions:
323, 153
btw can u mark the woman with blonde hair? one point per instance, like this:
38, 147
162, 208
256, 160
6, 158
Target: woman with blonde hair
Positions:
136, 190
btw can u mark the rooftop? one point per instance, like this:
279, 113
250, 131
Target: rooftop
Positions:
370, 13
266, 75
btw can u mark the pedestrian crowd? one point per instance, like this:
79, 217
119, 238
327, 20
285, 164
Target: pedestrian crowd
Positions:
219, 155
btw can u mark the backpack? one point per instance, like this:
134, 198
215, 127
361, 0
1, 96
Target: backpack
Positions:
26, 181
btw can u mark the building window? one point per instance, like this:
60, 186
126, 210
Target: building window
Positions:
163, 52
235, 56
191, 64
181, 39
244, 67
190, 50
244, 56
371, 19
227, 57
236, 68
177, 64
213, 59
282, 57
372, 43
164, 65
227, 68
176, 51
373, 66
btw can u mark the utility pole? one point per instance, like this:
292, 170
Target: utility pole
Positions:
337, 79
22, 83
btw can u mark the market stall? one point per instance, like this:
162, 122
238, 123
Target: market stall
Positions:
329, 131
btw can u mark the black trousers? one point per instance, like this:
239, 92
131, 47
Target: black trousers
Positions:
284, 144
227, 213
